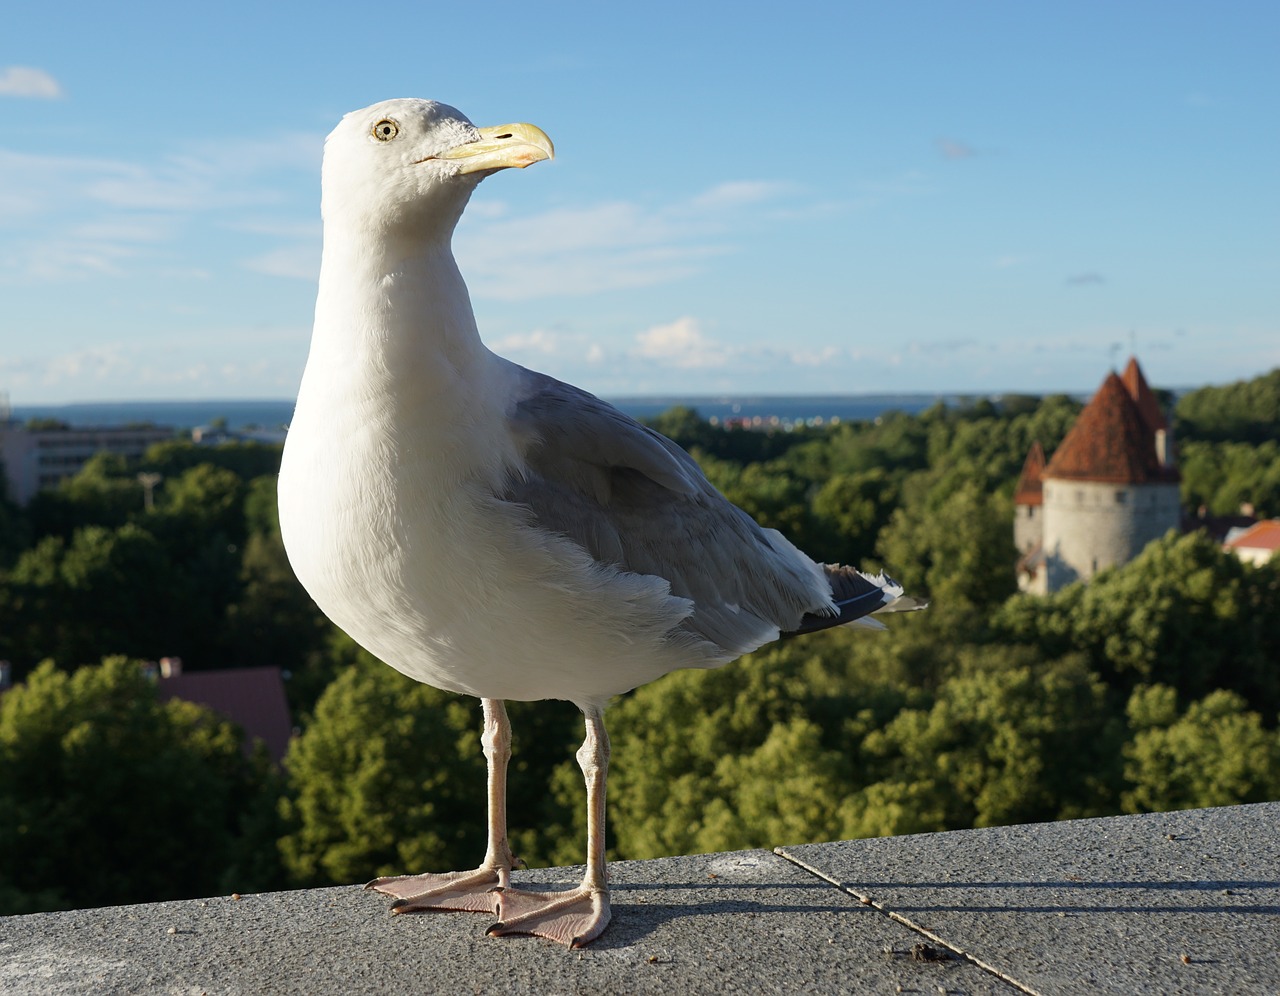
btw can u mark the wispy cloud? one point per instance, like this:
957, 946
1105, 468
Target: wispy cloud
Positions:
581, 250
244, 361
69, 216
27, 81
1086, 279
301, 262
737, 193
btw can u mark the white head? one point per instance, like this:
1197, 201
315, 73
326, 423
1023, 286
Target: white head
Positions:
412, 163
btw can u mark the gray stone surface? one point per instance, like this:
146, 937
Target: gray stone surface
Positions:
749, 922
1165, 903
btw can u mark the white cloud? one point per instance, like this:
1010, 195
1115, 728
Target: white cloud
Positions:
237, 361
681, 344
736, 193
537, 341
26, 81
615, 245
94, 363
816, 357
72, 215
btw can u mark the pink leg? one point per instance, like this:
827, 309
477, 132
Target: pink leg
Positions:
473, 891
578, 916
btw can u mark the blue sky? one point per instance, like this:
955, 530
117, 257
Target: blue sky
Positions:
747, 198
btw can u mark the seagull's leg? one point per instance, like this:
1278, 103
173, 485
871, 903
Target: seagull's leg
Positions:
472, 891
576, 917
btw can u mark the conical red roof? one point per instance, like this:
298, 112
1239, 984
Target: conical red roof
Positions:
1110, 442
1143, 396
1030, 490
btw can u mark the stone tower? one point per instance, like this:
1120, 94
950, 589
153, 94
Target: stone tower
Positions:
1108, 491
1028, 503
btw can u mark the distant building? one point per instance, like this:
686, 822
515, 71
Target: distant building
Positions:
251, 697
1256, 544
35, 459
1109, 489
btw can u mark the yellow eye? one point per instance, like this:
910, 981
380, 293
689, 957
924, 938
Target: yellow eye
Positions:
385, 130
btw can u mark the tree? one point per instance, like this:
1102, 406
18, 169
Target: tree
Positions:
1007, 740
1224, 477
103, 493
1183, 613
1217, 753
954, 545
389, 777
1246, 411
855, 507
107, 590
112, 797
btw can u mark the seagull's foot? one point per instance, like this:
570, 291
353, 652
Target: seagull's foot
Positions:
471, 892
574, 918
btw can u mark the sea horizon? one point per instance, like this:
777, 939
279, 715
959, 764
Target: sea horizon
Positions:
275, 413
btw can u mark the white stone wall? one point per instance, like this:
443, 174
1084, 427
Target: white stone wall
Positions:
1028, 527
1089, 526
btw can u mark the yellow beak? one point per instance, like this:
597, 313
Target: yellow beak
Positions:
518, 145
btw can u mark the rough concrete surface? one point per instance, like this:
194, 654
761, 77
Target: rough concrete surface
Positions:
1166, 903
748, 922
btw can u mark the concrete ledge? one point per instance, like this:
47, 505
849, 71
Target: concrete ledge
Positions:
1173, 903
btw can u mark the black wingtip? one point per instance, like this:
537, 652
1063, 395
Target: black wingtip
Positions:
855, 595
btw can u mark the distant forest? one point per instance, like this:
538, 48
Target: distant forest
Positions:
1156, 686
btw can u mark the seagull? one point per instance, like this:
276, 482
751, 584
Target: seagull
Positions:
490, 530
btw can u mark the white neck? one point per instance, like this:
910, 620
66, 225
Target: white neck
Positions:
396, 364
387, 310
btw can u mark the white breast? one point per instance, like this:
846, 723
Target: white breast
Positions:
407, 547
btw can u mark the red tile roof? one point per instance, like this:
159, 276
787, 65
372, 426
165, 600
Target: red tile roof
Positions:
1110, 442
1143, 396
1030, 490
253, 697
1264, 535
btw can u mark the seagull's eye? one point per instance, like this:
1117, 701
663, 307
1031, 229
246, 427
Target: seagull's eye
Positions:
385, 130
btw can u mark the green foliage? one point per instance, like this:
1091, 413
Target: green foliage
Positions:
106, 590
809, 742
991, 707
1184, 613
13, 526
1006, 740
246, 460
954, 545
1246, 411
1217, 753
112, 797
203, 576
1224, 477
389, 777
104, 493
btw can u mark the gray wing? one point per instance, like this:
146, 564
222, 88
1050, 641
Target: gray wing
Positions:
634, 499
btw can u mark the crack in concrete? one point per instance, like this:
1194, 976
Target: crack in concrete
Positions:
868, 900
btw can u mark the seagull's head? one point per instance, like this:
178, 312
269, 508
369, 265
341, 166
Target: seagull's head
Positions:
411, 162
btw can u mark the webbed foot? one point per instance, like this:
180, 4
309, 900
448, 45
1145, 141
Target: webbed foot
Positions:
470, 892
574, 918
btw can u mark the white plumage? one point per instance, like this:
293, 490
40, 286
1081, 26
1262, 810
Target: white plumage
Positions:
490, 530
